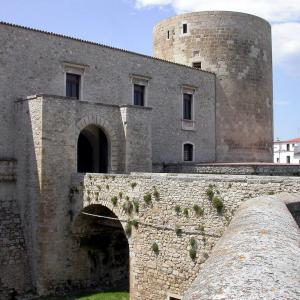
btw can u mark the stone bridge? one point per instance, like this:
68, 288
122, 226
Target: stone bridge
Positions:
171, 223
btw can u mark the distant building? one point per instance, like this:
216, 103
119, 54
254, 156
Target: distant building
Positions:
287, 152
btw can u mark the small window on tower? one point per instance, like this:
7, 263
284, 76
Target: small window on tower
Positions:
168, 34
188, 152
72, 85
197, 65
184, 28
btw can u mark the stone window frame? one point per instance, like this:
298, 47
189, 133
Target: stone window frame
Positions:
140, 80
74, 68
188, 124
193, 153
187, 28
171, 295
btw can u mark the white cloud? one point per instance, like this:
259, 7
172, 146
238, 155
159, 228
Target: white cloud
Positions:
284, 14
286, 41
272, 10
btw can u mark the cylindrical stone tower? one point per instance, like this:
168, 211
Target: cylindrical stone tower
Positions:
237, 48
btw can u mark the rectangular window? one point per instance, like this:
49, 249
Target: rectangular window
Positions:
287, 147
187, 106
72, 85
188, 152
139, 95
184, 28
288, 159
197, 65
277, 159
168, 35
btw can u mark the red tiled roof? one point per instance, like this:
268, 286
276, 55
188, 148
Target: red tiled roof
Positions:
295, 140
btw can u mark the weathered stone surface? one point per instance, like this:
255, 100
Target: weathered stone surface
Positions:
237, 48
172, 270
258, 256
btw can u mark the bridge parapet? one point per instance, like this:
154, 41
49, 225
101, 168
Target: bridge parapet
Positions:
175, 219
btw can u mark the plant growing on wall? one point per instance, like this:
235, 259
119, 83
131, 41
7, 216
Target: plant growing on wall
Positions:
155, 248
178, 231
148, 198
121, 195
133, 185
114, 200
193, 249
128, 207
217, 204
136, 206
201, 227
199, 211
177, 209
186, 212
128, 229
210, 193
135, 223
156, 194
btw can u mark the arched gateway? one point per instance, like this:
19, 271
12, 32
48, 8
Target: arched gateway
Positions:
106, 247
92, 150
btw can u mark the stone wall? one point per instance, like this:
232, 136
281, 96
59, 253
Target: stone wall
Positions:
232, 169
177, 233
258, 257
106, 78
14, 270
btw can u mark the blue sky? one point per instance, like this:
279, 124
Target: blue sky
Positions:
128, 24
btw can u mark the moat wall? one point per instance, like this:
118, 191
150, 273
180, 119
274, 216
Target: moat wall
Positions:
172, 270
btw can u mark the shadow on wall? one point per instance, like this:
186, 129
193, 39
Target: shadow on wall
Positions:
105, 245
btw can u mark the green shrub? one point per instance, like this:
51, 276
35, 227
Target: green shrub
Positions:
120, 195
136, 206
230, 185
128, 207
193, 243
210, 194
178, 231
201, 228
155, 248
193, 253
271, 193
107, 187
186, 212
148, 198
128, 229
199, 211
218, 204
177, 209
114, 200
133, 185
127, 198
135, 223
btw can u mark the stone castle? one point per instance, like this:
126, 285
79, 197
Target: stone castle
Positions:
72, 109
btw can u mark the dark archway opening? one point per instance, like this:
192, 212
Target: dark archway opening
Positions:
92, 151
106, 248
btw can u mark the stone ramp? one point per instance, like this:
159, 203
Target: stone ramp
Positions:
258, 257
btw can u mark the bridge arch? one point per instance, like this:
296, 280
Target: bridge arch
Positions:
104, 243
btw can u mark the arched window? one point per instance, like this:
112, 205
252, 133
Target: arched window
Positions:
92, 150
188, 152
